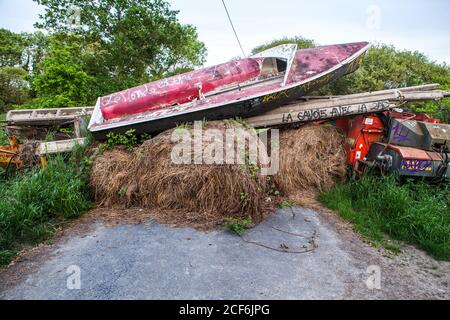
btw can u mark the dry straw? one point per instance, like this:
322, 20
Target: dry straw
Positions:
312, 159
148, 178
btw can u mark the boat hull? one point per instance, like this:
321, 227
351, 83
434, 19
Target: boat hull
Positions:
243, 109
239, 103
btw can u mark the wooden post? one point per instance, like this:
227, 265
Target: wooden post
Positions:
76, 127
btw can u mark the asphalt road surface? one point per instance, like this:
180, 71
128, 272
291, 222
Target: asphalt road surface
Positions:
295, 254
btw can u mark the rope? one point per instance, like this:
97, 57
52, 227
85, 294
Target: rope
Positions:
232, 26
312, 242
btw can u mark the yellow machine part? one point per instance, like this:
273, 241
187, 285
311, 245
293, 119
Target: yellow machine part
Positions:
9, 155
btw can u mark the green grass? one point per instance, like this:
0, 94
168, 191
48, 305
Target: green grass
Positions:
414, 212
34, 203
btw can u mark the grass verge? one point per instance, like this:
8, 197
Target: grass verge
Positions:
34, 203
415, 212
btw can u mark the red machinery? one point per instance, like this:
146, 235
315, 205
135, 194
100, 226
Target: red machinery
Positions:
361, 132
409, 144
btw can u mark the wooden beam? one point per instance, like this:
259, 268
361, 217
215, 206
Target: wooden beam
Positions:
340, 106
59, 146
45, 117
425, 87
423, 96
301, 114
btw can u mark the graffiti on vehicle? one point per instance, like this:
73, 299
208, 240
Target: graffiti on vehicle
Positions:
334, 112
275, 96
413, 165
401, 133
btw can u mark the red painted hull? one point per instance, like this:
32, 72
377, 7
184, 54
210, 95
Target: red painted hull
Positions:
178, 89
240, 88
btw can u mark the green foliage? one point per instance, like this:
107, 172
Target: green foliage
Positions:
13, 87
37, 44
12, 46
130, 42
238, 225
415, 212
250, 168
302, 43
120, 44
62, 81
129, 139
33, 204
20, 58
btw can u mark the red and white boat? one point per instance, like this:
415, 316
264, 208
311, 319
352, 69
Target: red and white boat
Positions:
238, 88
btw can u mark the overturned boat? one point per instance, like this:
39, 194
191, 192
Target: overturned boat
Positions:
238, 88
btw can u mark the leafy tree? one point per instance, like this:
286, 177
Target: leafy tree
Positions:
12, 46
34, 52
20, 58
132, 41
61, 81
13, 87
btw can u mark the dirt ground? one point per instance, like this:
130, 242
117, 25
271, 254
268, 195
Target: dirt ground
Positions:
149, 260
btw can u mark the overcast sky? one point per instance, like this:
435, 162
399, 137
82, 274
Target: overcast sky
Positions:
408, 24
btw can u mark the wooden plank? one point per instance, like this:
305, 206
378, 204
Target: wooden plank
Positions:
45, 116
423, 96
59, 146
335, 102
420, 88
300, 114
335, 107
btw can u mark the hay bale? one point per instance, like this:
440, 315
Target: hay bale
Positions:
199, 194
312, 160
110, 177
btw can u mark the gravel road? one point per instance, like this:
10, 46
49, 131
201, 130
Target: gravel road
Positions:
154, 261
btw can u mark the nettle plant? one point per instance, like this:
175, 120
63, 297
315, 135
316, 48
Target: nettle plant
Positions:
129, 139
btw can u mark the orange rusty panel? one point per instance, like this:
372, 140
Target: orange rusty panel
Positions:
6, 159
409, 153
8, 154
